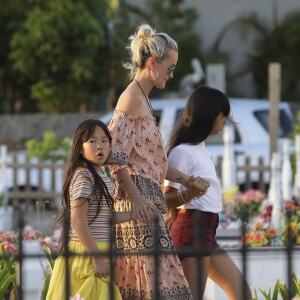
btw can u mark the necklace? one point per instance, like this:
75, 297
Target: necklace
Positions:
148, 101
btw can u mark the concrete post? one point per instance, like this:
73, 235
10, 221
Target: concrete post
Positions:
297, 175
216, 76
228, 163
286, 174
275, 190
6, 212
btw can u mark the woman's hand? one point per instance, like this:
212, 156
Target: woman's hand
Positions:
143, 209
196, 187
100, 267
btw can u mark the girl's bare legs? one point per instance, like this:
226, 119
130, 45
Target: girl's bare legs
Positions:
224, 272
220, 268
196, 284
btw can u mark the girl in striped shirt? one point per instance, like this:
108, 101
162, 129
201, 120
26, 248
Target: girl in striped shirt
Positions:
87, 209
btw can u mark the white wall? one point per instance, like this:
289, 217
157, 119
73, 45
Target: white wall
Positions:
263, 270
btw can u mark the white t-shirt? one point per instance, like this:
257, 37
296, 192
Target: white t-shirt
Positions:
196, 160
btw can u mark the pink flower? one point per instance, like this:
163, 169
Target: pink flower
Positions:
36, 234
57, 234
248, 200
47, 242
10, 248
8, 236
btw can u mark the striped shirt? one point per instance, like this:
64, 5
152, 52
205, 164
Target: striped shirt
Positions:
82, 186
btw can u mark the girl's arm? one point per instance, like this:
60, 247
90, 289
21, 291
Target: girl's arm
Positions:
171, 197
142, 207
196, 186
79, 221
177, 176
174, 198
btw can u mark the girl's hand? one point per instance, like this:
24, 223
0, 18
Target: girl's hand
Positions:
143, 209
100, 267
196, 187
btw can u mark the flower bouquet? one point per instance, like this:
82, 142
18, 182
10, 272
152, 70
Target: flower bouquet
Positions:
261, 236
249, 203
242, 205
292, 223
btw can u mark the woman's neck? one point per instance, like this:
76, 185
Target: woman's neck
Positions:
144, 82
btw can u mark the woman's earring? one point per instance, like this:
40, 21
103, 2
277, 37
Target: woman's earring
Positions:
149, 77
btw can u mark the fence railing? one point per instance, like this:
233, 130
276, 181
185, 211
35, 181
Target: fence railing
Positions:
245, 171
41, 182
38, 184
30, 274
33, 181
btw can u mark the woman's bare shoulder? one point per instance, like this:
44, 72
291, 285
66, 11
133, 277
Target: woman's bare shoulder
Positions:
129, 102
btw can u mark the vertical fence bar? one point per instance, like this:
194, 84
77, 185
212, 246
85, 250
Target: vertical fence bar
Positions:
200, 251
111, 259
244, 218
247, 173
289, 254
261, 182
157, 252
20, 255
67, 256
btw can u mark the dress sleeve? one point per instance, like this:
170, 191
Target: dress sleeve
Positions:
122, 130
82, 185
180, 160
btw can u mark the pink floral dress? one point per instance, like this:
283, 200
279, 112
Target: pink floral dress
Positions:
137, 146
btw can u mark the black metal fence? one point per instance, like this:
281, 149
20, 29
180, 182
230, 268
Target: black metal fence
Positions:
289, 249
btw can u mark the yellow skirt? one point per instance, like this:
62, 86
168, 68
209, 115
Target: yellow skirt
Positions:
82, 278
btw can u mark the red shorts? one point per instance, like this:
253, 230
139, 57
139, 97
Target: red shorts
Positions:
194, 229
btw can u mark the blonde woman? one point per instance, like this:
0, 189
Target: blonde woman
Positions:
139, 163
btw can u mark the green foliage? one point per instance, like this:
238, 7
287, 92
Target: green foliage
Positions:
280, 289
296, 128
49, 148
7, 273
53, 53
276, 44
61, 55
292, 135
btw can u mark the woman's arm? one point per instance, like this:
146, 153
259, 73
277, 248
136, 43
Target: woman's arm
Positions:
79, 221
125, 216
142, 208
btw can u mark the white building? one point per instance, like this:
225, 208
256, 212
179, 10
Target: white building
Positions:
215, 14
